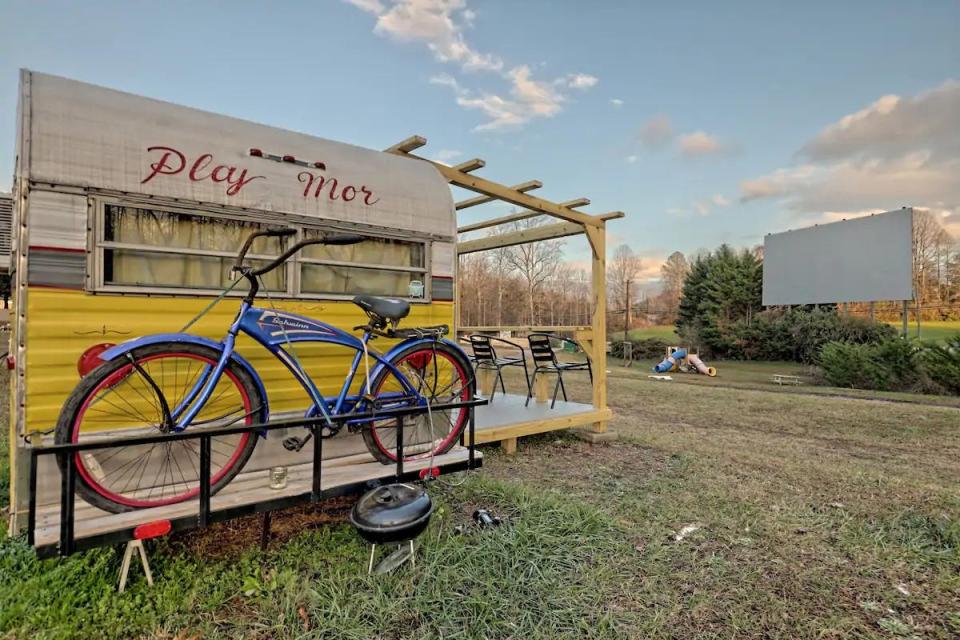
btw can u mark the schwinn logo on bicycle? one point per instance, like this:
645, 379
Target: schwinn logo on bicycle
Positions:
291, 323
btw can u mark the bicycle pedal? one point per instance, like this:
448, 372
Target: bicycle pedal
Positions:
293, 443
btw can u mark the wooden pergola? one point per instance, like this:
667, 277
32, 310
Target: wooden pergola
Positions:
592, 339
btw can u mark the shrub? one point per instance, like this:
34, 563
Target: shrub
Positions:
891, 365
941, 364
800, 334
643, 349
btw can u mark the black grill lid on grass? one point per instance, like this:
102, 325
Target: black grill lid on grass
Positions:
392, 513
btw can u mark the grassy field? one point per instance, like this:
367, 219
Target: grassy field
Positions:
739, 374
936, 331
721, 512
664, 332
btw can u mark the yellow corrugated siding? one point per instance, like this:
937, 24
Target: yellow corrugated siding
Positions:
61, 324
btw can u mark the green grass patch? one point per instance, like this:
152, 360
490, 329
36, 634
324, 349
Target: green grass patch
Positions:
935, 331
546, 573
664, 332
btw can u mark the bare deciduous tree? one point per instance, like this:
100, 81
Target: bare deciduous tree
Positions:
622, 273
672, 274
535, 262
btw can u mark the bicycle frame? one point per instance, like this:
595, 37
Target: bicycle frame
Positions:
272, 329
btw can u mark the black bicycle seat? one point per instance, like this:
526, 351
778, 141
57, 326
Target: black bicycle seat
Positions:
386, 308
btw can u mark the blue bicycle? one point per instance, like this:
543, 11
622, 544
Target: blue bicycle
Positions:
170, 382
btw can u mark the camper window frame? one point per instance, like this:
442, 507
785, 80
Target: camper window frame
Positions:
97, 245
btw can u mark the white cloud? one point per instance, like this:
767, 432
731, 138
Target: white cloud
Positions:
370, 6
631, 159
433, 22
898, 151
894, 126
446, 155
440, 24
707, 206
617, 102
720, 200
656, 131
701, 207
529, 99
580, 81
699, 143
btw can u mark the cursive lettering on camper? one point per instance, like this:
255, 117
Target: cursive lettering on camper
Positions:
171, 162
314, 186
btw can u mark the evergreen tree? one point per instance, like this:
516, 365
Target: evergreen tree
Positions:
722, 289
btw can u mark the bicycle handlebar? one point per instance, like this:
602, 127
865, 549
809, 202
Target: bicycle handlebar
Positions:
331, 239
259, 234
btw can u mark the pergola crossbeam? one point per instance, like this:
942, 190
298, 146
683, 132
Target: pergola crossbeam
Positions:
522, 215
408, 145
523, 187
500, 192
525, 236
533, 234
470, 165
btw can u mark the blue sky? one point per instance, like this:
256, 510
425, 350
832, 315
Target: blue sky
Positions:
706, 123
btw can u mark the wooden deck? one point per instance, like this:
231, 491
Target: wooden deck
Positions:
508, 417
248, 488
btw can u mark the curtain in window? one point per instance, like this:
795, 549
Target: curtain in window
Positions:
316, 278
137, 226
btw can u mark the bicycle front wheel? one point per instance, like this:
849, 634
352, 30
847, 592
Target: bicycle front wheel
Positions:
440, 374
125, 399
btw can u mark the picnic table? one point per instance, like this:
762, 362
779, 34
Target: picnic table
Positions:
782, 379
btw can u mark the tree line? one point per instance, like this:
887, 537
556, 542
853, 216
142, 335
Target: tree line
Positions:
533, 284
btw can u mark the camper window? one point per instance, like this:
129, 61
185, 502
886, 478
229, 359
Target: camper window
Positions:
158, 250
359, 268
154, 248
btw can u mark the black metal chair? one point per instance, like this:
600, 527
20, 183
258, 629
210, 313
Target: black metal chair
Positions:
545, 361
485, 357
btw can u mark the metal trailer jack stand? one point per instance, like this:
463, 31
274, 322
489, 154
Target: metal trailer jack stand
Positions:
134, 545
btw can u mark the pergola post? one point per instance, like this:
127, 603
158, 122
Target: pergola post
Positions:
598, 244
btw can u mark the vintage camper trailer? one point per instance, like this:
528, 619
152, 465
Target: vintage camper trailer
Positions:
127, 216
128, 213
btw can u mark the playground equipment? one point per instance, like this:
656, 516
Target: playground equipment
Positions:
693, 360
672, 361
680, 359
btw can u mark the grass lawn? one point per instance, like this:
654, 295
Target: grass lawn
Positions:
721, 512
936, 331
739, 374
665, 332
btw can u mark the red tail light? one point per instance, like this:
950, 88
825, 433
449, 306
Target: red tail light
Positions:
420, 360
90, 359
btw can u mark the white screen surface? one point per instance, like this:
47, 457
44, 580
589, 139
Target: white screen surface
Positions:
860, 260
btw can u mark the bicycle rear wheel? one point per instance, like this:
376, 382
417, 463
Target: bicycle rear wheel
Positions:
441, 375
120, 399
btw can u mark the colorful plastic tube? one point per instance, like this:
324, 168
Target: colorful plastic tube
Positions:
671, 362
